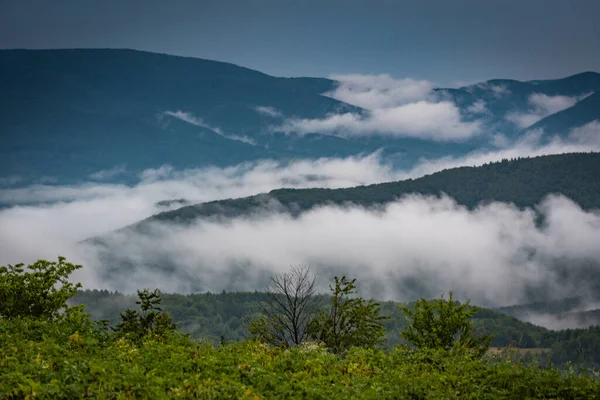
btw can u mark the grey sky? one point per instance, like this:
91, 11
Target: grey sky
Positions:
441, 40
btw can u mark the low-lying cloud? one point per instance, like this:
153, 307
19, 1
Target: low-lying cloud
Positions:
439, 121
393, 107
379, 91
268, 111
415, 246
541, 106
193, 120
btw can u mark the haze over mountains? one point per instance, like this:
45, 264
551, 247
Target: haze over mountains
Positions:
108, 115
404, 239
185, 174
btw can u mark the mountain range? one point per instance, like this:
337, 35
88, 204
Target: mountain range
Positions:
107, 114
72, 116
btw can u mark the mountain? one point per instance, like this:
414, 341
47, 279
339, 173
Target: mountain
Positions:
582, 113
67, 114
510, 106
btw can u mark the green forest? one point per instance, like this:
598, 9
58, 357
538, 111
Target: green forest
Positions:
288, 342
213, 317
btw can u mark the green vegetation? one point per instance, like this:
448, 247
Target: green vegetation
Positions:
444, 324
350, 321
41, 290
138, 324
210, 316
65, 355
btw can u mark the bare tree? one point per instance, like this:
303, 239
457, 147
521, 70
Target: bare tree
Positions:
290, 305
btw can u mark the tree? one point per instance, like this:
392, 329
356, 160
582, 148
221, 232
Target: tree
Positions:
445, 324
290, 305
150, 319
41, 290
351, 321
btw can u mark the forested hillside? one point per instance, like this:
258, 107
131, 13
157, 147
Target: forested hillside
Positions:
524, 182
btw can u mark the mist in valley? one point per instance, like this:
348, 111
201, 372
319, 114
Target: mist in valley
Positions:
495, 254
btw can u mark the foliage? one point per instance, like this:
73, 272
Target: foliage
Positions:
444, 324
69, 356
80, 365
149, 320
351, 321
290, 305
208, 316
41, 290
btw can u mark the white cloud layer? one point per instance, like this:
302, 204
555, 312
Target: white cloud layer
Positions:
395, 107
541, 106
479, 107
484, 254
426, 120
379, 91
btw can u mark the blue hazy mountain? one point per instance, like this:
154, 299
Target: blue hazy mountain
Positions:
584, 112
503, 97
69, 113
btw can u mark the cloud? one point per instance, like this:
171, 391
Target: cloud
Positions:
211, 183
268, 111
552, 104
588, 134
191, 119
580, 314
499, 90
583, 139
478, 107
110, 173
393, 107
541, 106
423, 119
379, 91
482, 254
558, 321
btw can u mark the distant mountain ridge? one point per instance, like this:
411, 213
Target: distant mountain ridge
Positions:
523, 182
67, 114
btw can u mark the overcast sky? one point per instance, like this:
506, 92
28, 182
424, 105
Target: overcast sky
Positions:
439, 40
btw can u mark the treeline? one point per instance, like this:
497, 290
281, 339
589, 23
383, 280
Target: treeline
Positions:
214, 317
209, 316
301, 345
